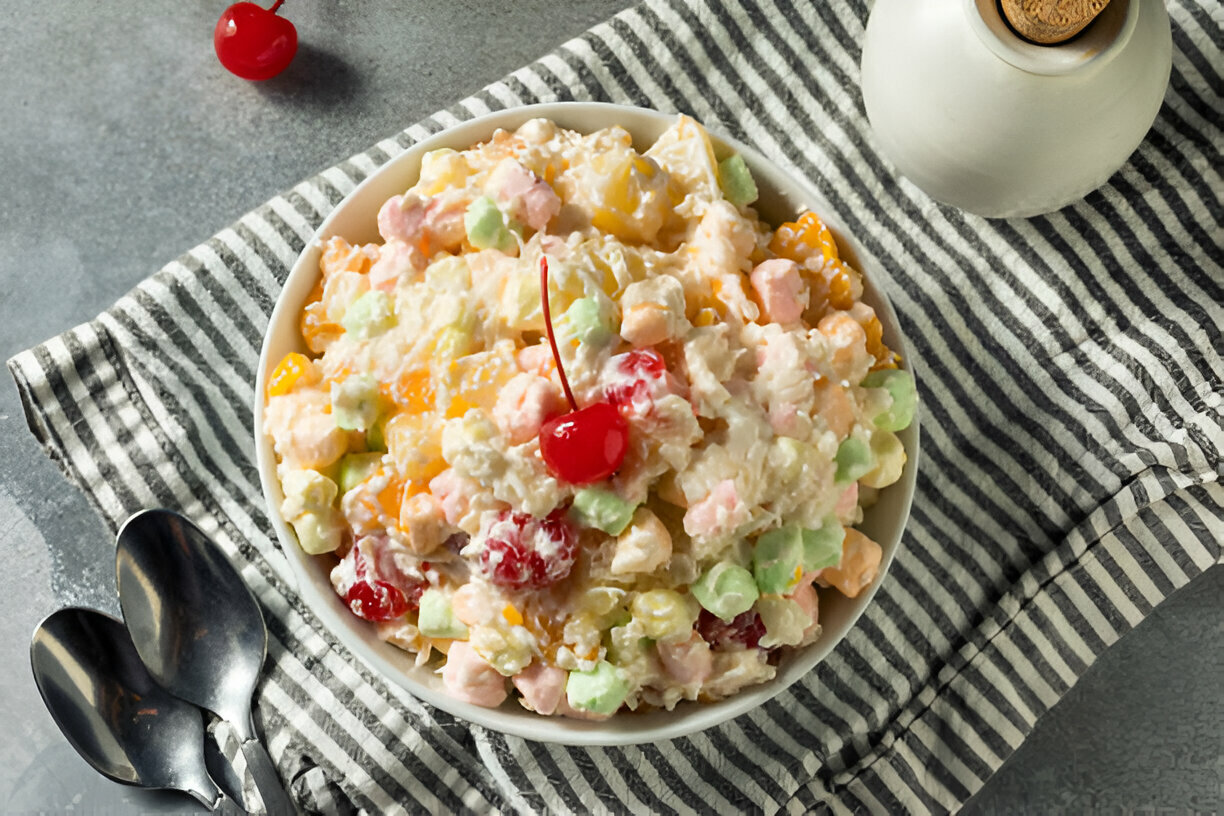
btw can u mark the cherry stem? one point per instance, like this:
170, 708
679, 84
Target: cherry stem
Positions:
548, 327
276, 5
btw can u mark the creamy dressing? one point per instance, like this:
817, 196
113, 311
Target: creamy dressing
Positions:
739, 435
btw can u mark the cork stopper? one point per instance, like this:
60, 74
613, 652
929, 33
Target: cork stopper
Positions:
1050, 22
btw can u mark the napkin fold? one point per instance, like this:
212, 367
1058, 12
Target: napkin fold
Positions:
1070, 371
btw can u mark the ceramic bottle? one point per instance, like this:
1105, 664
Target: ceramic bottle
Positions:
981, 119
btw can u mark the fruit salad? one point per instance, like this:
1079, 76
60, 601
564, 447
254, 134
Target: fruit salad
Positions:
582, 431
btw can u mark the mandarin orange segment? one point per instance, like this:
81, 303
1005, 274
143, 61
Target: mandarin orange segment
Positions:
316, 329
804, 238
832, 287
882, 355
341, 256
390, 497
511, 615
289, 372
413, 391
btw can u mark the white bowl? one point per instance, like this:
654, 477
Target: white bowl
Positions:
782, 197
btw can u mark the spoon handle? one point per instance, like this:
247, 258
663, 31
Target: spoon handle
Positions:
267, 781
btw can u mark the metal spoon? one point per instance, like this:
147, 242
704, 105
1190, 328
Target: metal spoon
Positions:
197, 627
113, 713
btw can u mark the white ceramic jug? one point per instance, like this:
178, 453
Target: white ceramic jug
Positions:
986, 121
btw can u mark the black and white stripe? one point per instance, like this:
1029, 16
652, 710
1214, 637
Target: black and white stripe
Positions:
1070, 368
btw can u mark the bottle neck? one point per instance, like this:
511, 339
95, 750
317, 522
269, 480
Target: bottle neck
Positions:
1096, 45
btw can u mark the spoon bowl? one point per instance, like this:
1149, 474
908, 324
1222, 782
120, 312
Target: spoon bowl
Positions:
193, 621
112, 711
197, 627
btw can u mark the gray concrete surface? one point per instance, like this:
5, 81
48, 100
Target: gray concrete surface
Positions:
125, 143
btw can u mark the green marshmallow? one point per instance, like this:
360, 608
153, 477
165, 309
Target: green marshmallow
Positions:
900, 386
736, 181
356, 403
823, 548
726, 590
777, 560
588, 322
853, 460
603, 510
436, 619
355, 468
369, 315
599, 691
486, 227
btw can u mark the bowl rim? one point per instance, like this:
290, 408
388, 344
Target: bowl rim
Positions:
786, 189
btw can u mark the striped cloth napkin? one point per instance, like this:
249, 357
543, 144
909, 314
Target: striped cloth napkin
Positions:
1070, 369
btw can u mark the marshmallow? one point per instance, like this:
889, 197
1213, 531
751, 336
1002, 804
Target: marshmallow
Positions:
853, 460
736, 181
437, 619
487, 227
603, 510
777, 560
900, 386
599, 691
725, 590
823, 548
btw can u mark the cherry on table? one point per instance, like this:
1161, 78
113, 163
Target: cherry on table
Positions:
254, 42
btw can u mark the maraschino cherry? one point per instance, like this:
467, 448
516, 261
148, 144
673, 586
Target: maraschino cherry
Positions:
253, 42
524, 552
376, 599
582, 446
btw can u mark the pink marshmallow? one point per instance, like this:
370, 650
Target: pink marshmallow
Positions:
525, 403
395, 260
779, 289
542, 686
716, 514
529, 197
444, 224
537, 359
428, 225
454, 493
784, 419
469, 677
401, 219
688, 661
